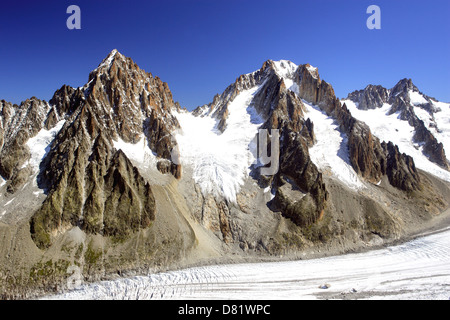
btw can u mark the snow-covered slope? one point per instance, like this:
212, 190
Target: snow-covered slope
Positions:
40, 143
220, 161
389, 127
330, 152
437, 121
139, 153
103, 153
442, 120
428, 118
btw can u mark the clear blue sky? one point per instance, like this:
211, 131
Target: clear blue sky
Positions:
200, 47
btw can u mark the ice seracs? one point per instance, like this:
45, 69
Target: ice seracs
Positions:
220, 161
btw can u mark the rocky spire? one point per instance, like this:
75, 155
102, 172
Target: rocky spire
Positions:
91, 184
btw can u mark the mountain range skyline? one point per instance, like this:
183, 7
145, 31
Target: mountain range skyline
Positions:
198, 48
88, 178
141, 137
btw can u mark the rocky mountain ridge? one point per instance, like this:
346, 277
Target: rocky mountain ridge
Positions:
404, 99
89, 178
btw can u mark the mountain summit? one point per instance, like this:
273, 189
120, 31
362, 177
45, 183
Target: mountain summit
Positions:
427, 117
115, 176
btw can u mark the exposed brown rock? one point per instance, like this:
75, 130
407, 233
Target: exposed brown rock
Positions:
400, 168
375, 96
371, 97
296, 165
365, 151
89, 183
19, 124
90, 186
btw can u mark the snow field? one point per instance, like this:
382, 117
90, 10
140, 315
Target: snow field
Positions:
438, 123
392, 128
139, 153
220, 161
330, 152
40, 143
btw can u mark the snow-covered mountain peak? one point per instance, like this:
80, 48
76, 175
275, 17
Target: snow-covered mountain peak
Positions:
313, 70
119, 160
109, 59
403, 86
288, 71
414, 121
285, 68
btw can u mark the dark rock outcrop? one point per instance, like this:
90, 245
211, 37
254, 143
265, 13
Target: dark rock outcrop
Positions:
87, 181
19, 123
297, 170
399, 98
366, 153
371, 97
400, 168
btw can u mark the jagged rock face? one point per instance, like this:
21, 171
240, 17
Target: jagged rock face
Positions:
7, 111
366, 153
91, 185
299, 172
64, 102
278, 102
88, 182
218, 108
277, 105
402, 87
309, 83
399, 97
400, 168
371, 97
284, 110
280, 108
363, 149
107, 196
19, 123
133, 101
432, 148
